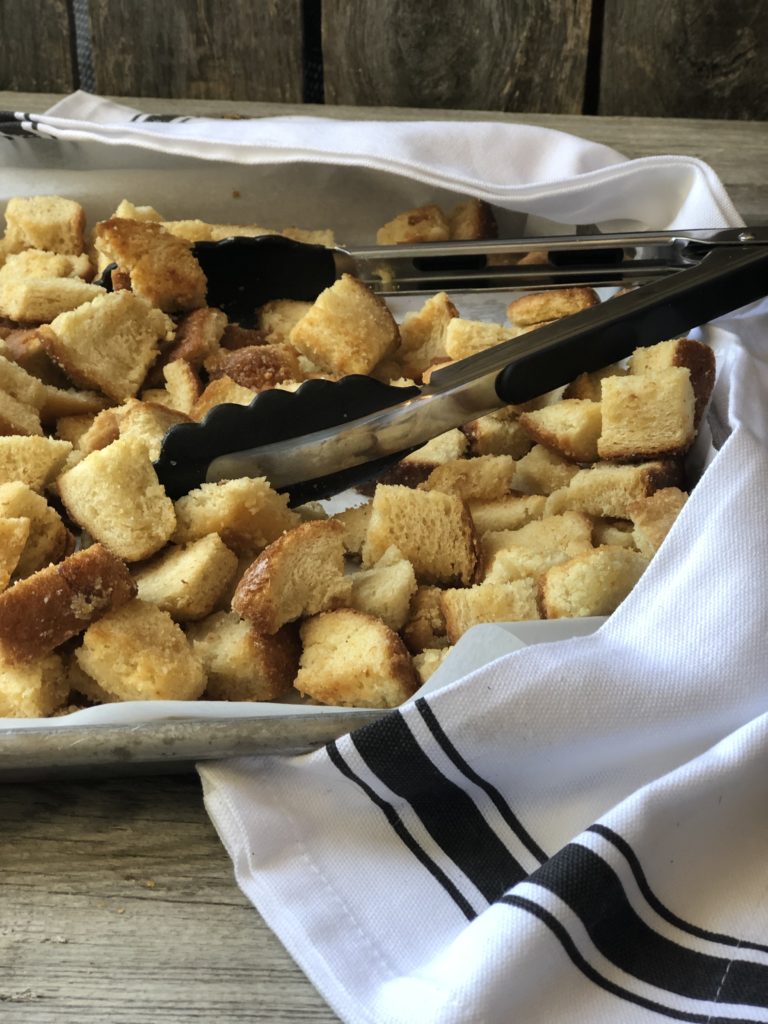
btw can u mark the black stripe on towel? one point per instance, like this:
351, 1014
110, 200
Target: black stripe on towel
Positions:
593, 891
560, 932
467, 770
445, 810
653, 901
402, 832
13, 125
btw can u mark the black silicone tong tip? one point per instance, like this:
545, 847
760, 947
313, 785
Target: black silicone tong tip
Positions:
189, 448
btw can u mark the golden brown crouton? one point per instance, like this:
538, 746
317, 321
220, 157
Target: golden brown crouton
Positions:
45, 222
589, 385
260, 366
355, 522
653, 516
507, 513
347, 330
276, 319
570, 428
48, 540
115, 495
222, 391
198, 335
36, 286
698, 358
425, 626
109, 343
498, 433
515, 601
147, 422
542, 307
647, 416
384, 591
427, 662
472, 220
415, 468
301, 573
608, 490
162, 268
422, 334
17, 417
424, 224
32, 460
534, 547
480, 479
468, 337
139, 653
593, 583
241, 663
33, 689
14, 532
542, 471
431, 529
188, 582
39, 613
246, 513
350, 659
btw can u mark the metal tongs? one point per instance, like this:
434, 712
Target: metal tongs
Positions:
329, 435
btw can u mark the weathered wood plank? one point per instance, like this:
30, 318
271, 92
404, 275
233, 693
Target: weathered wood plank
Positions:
682, 58
528, 55
117, 903
36, 45
244, 49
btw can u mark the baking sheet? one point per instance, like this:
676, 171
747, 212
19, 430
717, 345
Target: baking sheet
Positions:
355, 202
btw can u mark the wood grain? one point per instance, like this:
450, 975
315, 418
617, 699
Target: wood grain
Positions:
685, 58
118, 904
35, 45
528, 55
243, 49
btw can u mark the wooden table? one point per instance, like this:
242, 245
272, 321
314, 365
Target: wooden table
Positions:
117, 900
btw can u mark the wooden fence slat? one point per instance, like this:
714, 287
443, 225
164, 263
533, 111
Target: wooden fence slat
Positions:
199, 49
483, 55
35, 46
685, 58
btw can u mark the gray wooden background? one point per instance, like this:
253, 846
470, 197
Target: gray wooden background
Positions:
655, 58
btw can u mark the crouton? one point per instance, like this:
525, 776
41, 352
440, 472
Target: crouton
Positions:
515, 601
507, 513
589, 385
347, 330
468, 337
139, 653
34, 689
592, 583
542, 307
422, 334
534, 547
472, 220
301, 573
17, 417
423, 224
246, 513
415, 468
425, 626
25, 347
384, 591
189, 581
570, 428
696, 357
221, 391
431, 529
115, 495
109, 343
427, 662
147, 422
198, 336
183, 388
276, 319
48, 539
647, 416
653, 516
355, 522
542, 471
608, 490
45, 222
497, 433
483, 478
39, 613
14, 532
260, 366
350, 659
34, 461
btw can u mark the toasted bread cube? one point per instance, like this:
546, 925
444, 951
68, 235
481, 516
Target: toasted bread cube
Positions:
198, 336
589, 385
246, 513
647, 416
543, 307
222, 391
34, 461
162, 268
472, 220
312, 236
425, 627
104, 429
423, 224
385, 591
355, 522
498, 433
39, 613
433, 530
109, 343
139, 653
241, 663
25, 348
260, 366
593, 583
483, 478
507, 513
301, 573
18, 418
21, 385
570, 428
48, 540
70, 402
350, 659
618, 532
515, 601
35, 689
183, 387
532, 549
542, 471
698, 358
347, 330
608, 490
276, 319
427, 662
45, 222
115, 495
422, 334
653, 517
38, 300
146, 422
126, 209
14, 532
188, 582
468, 337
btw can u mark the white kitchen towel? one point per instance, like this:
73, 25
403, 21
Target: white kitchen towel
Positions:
578, 830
